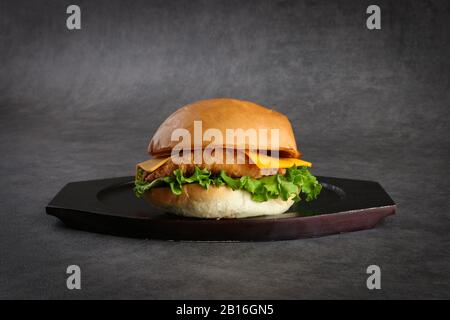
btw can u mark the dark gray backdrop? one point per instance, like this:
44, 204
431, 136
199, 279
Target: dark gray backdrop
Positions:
78, 105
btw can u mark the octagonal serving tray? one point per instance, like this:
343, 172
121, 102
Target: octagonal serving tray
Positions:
109, 206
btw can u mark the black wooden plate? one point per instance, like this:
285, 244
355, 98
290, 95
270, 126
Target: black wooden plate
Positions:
109, 206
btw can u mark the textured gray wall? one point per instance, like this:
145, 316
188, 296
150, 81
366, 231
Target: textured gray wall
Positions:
365, 104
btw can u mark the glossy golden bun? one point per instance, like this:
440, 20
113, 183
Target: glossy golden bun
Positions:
225, 114
214, 202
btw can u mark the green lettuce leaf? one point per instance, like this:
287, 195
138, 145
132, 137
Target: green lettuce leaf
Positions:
296, 182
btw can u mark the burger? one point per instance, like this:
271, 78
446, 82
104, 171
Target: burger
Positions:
225, 158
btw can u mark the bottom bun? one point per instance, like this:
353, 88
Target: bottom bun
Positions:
214, 202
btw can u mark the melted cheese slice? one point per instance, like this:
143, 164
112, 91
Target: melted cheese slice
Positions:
267, 162
152, 164
262, 161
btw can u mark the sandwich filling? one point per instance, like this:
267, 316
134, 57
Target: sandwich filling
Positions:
263, 178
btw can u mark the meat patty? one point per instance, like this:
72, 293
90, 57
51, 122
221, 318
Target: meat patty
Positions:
233, 170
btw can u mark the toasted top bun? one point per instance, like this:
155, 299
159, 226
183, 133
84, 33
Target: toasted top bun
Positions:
214, 202
225, 114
